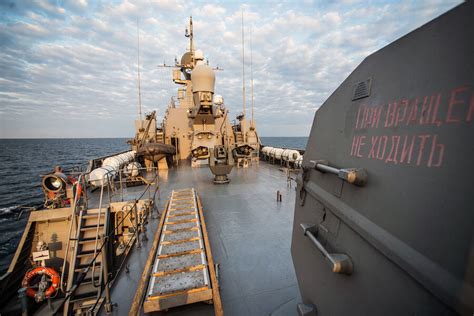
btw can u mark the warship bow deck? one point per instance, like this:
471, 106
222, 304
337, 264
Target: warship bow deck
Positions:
249, 232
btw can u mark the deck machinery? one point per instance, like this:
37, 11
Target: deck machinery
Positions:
384, 217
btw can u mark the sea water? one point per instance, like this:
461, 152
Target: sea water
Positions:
22, 161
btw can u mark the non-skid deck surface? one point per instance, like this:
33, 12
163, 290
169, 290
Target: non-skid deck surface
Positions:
180, 272
250, 235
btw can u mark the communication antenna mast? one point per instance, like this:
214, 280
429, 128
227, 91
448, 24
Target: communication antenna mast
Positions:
243, 65
189, 33
138, 73
251, 75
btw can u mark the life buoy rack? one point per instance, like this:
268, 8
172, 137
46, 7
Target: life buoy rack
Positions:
55, 281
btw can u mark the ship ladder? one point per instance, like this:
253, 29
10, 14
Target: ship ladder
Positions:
183, 271
88, 269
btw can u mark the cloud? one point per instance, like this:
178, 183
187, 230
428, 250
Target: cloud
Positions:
74, 63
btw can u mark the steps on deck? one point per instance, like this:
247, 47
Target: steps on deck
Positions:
88, 255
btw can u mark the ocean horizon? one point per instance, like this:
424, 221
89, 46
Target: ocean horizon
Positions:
25, 159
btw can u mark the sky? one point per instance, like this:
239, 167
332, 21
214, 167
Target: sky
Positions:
69, 68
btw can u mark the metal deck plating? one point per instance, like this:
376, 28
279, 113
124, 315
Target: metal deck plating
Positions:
249, 232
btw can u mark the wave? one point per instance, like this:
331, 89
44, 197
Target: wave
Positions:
8, 210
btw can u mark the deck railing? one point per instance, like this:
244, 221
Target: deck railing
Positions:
111, 185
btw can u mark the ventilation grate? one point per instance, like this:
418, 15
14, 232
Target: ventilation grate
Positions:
362, 89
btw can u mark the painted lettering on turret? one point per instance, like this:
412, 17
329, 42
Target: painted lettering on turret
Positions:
434, 117
392, 156
436, 109
374, 142
470, 113
401, 112
407, 149
390, 114
425, 111
456, 101
418, 150
421, 148
412, 112
402, 116
357, 143
436, 153
361, 144
368, 117
381, 148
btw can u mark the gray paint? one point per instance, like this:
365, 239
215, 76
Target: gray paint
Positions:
250, 235
409, 230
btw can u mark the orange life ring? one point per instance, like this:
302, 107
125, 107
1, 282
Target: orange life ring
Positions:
55, 280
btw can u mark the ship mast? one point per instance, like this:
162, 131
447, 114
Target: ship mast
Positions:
243, 65
251, 77
138, 73
189, 33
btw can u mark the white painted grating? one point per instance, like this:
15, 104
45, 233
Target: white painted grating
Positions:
180, 263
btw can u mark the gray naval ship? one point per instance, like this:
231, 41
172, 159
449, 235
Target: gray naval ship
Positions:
199, 219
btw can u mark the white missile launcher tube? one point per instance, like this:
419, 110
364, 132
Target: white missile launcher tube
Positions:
271, 153
133, 169
293, 155
278, 152
299, 162
109, 169
266, 151
284, 154
102, 176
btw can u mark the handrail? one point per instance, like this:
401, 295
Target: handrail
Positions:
106, 237
340, 262
75, 205
73, 213
97, 234
133, 207
121, 181
356, 176
66, 253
